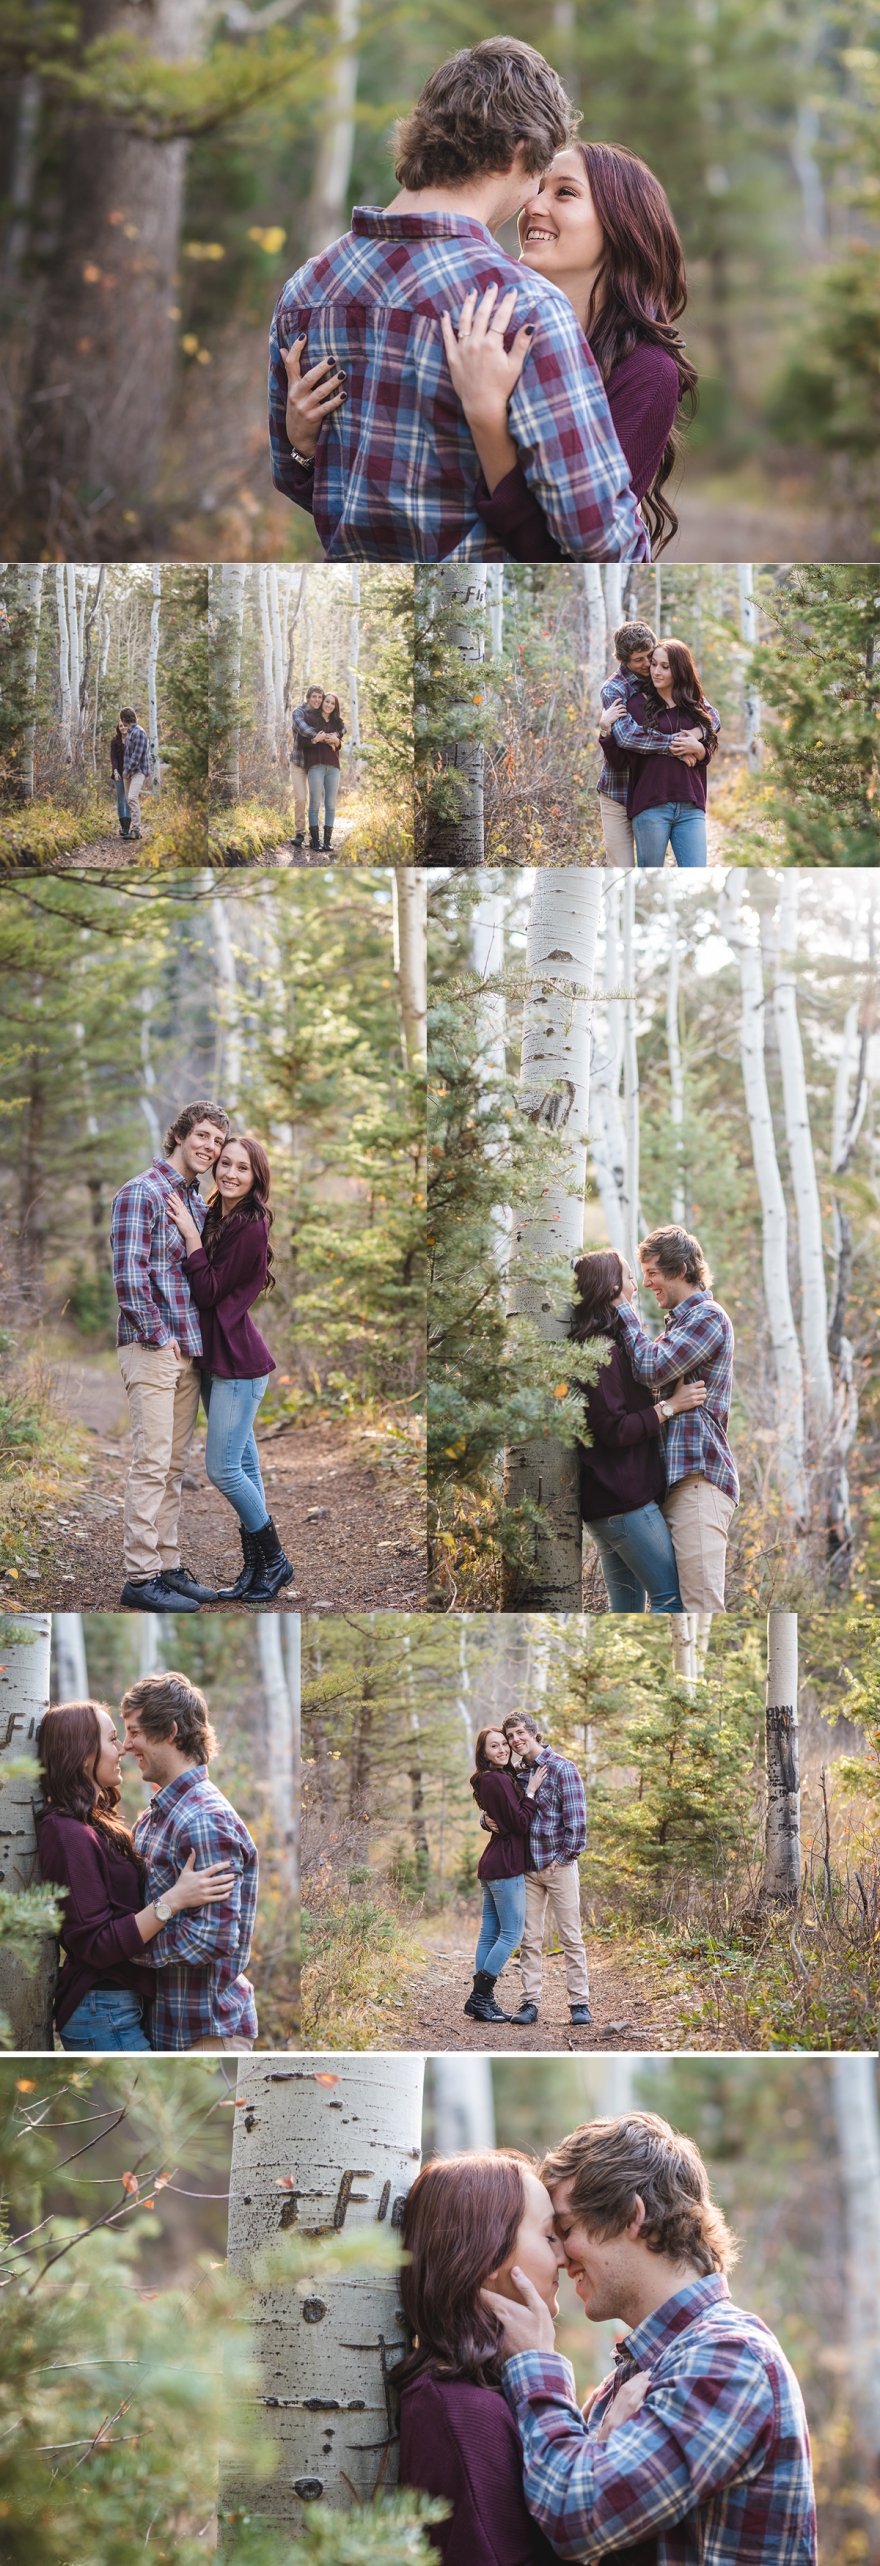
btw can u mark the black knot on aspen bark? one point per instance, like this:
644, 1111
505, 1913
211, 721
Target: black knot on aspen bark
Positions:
309, 2489
313, 2310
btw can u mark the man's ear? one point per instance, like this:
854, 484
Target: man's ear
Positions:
637, 2221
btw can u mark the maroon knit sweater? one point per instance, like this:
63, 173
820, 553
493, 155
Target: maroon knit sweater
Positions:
460, 2442
223, 1286
642, 396
99, 1936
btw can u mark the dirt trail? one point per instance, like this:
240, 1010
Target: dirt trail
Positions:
355, 1535
627, 2013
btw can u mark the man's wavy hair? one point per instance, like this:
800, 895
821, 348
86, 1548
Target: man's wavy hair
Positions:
476, 110
610, 2163
189, 1115
165, 1702
677, 1252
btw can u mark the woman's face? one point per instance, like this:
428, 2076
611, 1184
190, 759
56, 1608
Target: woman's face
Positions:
629, 1287
234, 1174
496, 1747
559, 229
328, 706
661, 672
537, 2250
106, 1765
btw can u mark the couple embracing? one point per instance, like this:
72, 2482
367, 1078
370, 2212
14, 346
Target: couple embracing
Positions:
187, 1270
533, 1808
695, 2448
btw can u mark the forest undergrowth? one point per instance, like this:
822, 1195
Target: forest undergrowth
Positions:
376, 831
37, 833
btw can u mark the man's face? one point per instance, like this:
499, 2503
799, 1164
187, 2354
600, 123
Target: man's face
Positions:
639, 663
668, 1289
150, 1753
522, 1741
600, 2269
200, 1148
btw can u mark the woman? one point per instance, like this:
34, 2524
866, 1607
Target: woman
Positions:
600, 227
103, 1993
501, 1868
622, 1470
322, 763
228, 1265
466, 2222
117, 774
666, 796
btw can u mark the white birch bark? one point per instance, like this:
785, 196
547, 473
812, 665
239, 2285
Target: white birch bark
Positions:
487, 955
596, 632
277, 648
495, 598
630, 1079
227, 1002
328, 203
268, 667
354, 652
22, 175
410, 911
780, 1316
464, 2109
555, 1095
63, 666
71, 1671
673, 1048
30, 580
689, 1635
814, 1301
858, 2137
25, 1997
748, 625
152, 670
148, 1074
459, 839
781, 1885
326, 2345
280, 1746
73, 647
292, 1630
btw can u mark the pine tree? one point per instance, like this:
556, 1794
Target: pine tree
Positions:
821, 675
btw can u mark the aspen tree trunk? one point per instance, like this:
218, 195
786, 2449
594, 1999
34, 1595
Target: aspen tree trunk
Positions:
462, 1702
354, 652
606, 1120
410, 899
495, 599
229, 616
781, 1885
814, 1304
487, 956
596, 629
25, 1996
673, 1048
22, 177
748, 624
780, 1316
152, 667
31, 587
302, 2136
459, 839
71, 1672
630, 1078
464, 2108
148, 1074
612, 580
63, 665
228, 1027
280, 1743
73, 646
858, 2138
328, 204
689, 1635
268, 667
89, 615
555, 1095
277, 648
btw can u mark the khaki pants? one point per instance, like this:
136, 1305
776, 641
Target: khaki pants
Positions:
163, 1399
617, 832
300, 782
239, 2046
699, 1516
134, 786
559, 1889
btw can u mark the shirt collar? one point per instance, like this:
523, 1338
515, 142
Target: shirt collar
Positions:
698, 1295
163, 1167
648, 2340
171, 1792
372, 223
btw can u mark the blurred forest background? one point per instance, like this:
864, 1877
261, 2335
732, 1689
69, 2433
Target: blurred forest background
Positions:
289, 1000
160, 181
161, 2395
702, 996
76, 645
275, 632
666, 1725
508, 686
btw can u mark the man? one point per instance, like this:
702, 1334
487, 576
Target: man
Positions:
392, 474
702, 1487
135, 766
160, 1346
699, 2441
557, 1835
203, 2000
633, 646
303, 726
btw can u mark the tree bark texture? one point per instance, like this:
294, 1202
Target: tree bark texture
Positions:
858, 2138
780, 1316
25, 1995
409, 889
814, 1303
781, 1885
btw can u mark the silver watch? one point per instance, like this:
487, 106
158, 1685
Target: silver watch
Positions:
163, 1911
666, 1408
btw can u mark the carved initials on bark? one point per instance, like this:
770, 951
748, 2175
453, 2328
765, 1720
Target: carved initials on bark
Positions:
553, 1107
782, 1728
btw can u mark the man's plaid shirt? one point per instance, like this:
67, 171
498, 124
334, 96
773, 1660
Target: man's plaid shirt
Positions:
715, 2468
614, 781
200, 1957
154, 1297
558, 1832
136, 756
396, 468
696, 1345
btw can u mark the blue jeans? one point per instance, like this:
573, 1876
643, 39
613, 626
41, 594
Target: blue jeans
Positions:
110, 2018
231, 1453
323, 779
676, 824
504, 1915
122, 804
638, 1560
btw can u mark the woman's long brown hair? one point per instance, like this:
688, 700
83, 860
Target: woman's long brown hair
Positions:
256, 1204
69, 1747
687, 693
643, 288
481, 1760
460, 2223
599, 1279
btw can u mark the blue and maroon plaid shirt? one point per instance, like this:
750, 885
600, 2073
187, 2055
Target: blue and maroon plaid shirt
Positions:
715, 2468
696, 1345
136, 754
558, 1832
614, 780
396, 469
154, 1297
201, 1956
